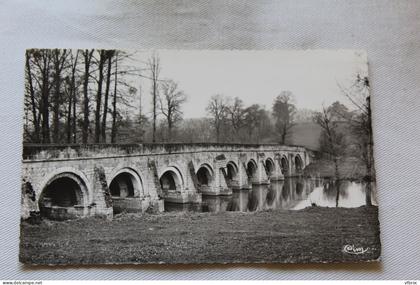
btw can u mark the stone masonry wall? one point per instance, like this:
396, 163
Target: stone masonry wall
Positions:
96, 169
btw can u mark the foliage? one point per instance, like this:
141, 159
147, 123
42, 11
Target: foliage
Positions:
332, 140
217, 109
283, 112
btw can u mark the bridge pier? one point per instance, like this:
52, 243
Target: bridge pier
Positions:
218, 185
277, 173
182, 197
135, 204
261, 178
242, 182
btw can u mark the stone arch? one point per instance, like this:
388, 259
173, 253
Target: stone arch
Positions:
298, 163
270, 166
171, 180
64, 196
232, 170
205, 174
251, 168
126, 182
284, 163
39, 187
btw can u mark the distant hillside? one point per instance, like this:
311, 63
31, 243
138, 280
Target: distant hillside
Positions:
306, 134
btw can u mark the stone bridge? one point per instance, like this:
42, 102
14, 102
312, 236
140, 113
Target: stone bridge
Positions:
69, 181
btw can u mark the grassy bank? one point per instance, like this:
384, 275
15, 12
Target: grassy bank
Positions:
348, 168
309, 235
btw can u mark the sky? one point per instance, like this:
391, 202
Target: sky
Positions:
256, 77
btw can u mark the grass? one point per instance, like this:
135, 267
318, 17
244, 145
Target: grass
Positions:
310, 235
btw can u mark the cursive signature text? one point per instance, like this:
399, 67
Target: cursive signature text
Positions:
351, 249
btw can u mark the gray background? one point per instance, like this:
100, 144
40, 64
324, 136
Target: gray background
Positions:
388, 30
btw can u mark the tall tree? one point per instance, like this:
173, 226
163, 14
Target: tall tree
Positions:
42, 59
237, 114
256, 122
101, 61
217, 109
51, 93
154, 66
171, 104
87, 60
75, 92
114, 101
59, 60
71, 113
283, 113
109, 56
331, 140
32, 96
361, 124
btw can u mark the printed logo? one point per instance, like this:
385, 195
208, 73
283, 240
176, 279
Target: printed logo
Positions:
351, 249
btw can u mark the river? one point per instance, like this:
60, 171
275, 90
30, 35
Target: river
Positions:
290, 194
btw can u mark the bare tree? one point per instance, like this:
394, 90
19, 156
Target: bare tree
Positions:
51, 93
123, 93
101, 61
283, 112
171, 104
59, 60
109, 55
358, 93
237, 114
31, 88
154, 66
71, 114
42, 60
87, 60
331, 140
218, 110
114, 102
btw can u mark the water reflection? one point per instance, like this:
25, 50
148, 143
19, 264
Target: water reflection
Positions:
351, 194
290, 194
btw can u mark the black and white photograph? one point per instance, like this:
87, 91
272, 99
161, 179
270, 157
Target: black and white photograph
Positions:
174, 156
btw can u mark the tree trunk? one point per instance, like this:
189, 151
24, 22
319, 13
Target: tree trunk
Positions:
154, 66
369, 154
114, 103
74, 105
99, 97
71, 131
56, 106
108, 81
45, 101
283, 138
217, 133
69, 117
169, 126
85, 130
337, 182
74, 121
32, 95
154, 109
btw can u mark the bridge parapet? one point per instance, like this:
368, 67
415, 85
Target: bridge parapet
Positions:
72, 151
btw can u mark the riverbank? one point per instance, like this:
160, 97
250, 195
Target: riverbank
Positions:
349, 169
313, 234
